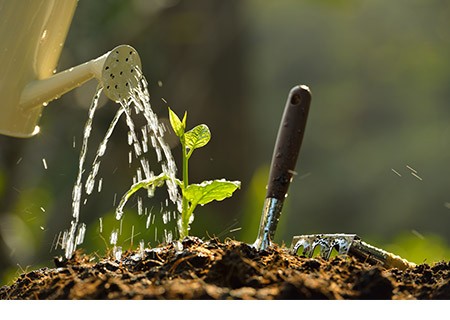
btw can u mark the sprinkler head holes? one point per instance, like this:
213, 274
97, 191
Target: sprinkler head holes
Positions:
121, 73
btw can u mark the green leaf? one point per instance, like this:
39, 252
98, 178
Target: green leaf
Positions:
149, 184
207, 191
197, 137
178, 126
184, 120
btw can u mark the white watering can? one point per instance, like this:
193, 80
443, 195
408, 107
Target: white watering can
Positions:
32, 35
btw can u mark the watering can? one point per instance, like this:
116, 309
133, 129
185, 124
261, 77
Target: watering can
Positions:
32, 35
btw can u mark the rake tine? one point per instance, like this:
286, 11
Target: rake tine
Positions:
309, 250
347, 244
325, 249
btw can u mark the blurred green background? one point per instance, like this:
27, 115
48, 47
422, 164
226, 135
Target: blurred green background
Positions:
375, 156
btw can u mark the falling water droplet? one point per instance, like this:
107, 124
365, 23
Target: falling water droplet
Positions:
130, 138
165, 219
139, 202
100, 220
147, 224
396, 172
117, 253
81, 232
113, 237
100, 183
141, 249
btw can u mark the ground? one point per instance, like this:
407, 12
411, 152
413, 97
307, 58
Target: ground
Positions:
230, 270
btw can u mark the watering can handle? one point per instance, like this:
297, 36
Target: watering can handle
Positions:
289, 141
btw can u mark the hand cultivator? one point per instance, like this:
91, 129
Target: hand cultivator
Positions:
284, 159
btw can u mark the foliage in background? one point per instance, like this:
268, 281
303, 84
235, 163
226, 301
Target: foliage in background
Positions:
417, 248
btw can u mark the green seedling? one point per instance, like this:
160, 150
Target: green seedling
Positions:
192, 194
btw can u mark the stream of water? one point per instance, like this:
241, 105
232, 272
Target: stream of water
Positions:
141, 140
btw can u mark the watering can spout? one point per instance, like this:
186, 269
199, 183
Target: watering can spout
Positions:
40, 92
32, 34
114, 70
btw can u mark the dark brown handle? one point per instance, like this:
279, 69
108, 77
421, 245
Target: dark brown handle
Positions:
289, 141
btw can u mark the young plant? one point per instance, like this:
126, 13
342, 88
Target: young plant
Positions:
192, 194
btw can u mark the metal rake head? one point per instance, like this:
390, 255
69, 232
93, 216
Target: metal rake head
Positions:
341, 242
347, 244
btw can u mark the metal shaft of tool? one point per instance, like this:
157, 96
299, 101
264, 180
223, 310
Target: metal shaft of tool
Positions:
284, 160
374, 255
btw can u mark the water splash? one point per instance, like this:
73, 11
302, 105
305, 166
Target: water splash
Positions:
141, 99
90, 182
70, 240
141, 140
77, 190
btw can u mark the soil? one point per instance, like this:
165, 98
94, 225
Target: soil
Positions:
230, 270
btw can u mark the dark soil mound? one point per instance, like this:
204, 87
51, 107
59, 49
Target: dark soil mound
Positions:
231, 270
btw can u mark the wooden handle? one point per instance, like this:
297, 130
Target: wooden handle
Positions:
289, 141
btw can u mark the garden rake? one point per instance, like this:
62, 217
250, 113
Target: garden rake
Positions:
282, 170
